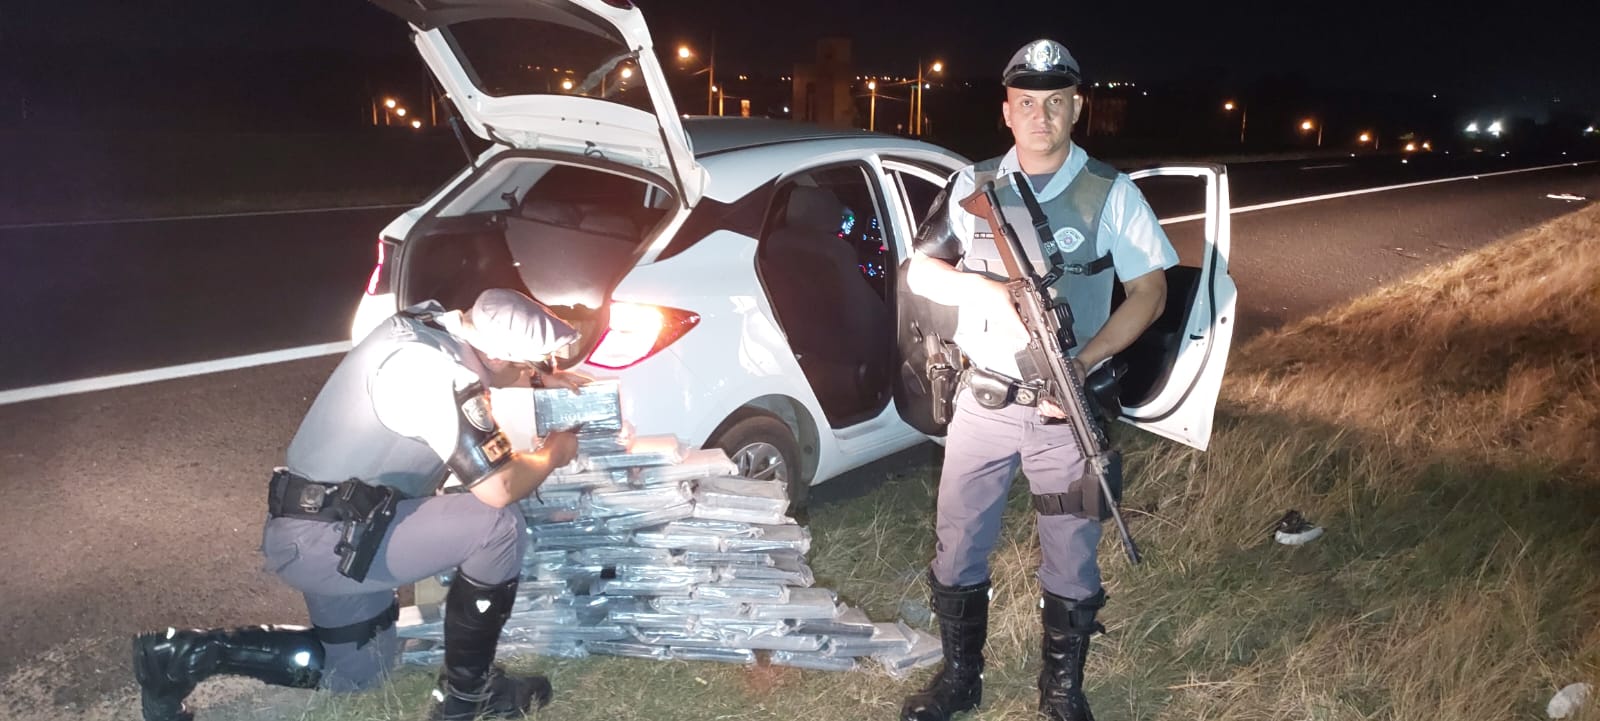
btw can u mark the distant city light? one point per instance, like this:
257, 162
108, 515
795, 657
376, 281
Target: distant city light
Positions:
400, 112
1494, 128
389, 103
566, 85
1411, 147
1228, 105
1305, 125
938, 66
1427, 145
1472, 127
1589, 130
416, 123
683, 51
785, 108
627, 72
1365, 137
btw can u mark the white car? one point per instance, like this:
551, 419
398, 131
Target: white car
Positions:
741, 277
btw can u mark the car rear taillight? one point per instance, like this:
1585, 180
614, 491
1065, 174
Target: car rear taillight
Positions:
638, 331
379, 282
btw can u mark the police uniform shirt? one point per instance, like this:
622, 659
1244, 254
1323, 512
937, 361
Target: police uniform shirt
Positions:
1129, 231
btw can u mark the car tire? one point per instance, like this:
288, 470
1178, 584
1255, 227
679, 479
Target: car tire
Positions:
764, 448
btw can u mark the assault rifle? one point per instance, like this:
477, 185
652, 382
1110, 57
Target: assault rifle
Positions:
1043, 364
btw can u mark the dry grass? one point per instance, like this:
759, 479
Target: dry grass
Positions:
1444, 431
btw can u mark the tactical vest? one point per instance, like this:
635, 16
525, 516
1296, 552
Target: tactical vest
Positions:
1075, 222
341, 436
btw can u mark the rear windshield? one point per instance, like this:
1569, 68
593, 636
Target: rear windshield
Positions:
562, 55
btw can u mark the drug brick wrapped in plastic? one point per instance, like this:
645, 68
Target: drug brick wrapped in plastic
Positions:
812, 660
925, 650
578, 541
891, 639
702, 608
635, 500
849, 623
771, 538
647, 519
770, 497
742, 591
696, 464
552, 506
740, 515
598, 407
803, 604
628, 649
570, 479
623, 555
801, 577
662, 450
721, 655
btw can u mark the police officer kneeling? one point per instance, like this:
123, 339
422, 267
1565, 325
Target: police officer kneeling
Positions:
357, 513
1100, 221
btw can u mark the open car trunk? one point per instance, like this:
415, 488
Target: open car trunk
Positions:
565, 234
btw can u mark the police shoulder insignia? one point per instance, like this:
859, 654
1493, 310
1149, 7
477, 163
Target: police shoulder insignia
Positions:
476, 411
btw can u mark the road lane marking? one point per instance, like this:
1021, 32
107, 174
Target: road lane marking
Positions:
280, 356
1364, 191
215, 216
153, 375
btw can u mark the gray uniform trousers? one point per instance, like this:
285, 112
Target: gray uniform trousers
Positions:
428, 536
983, 449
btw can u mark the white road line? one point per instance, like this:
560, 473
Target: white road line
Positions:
161, 374
1364, 191
213, 216
311, 351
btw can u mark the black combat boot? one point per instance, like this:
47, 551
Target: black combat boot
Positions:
470, 685
1067, 627
168, 665
963, 613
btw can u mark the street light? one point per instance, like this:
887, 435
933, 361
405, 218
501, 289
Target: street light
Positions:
1243, 114
1306, 126
872, 105
684, 53
916, 95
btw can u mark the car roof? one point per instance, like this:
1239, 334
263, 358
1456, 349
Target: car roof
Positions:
716, 135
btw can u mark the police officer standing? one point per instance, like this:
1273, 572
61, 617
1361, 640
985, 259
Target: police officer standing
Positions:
1103, 228
357, 513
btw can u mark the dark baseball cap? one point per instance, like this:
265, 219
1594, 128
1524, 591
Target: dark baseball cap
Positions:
1042, 65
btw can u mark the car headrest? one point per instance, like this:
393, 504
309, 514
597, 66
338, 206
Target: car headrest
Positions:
813, 209
554, 212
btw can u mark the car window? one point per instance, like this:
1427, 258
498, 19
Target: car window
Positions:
919, 193
832, 216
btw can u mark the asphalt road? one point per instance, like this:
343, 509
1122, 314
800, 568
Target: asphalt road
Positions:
140, 507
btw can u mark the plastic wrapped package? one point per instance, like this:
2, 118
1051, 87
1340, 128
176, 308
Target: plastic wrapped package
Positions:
800, 577
535, 588
644, 619
636, 500
662, 450
551, 648
576, 482
678, 541
601, 632
680, 587
579, 527
925, 651
598, 407
743, 494
804, 604
647, 519
547, 613
886, 638
742, 591
720, 529
703, 558
535, 601
421, 651
552, 506
812, 660
609, 556
721, 655
627, 649
579, 542
739, 515
698, 463
849, 623
703, 608
795, 539
689, 574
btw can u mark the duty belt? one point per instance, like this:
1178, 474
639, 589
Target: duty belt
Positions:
291, 495
995, 391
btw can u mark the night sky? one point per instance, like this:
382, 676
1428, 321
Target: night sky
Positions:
1525, 53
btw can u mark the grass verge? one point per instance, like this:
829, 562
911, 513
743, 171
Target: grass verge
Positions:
1446, 432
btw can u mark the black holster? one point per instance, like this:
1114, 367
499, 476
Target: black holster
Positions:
364, 510
943, 368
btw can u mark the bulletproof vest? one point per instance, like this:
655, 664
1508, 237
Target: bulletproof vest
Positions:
341, 436
1075, 223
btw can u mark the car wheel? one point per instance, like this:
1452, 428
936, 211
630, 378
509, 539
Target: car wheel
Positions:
763, 448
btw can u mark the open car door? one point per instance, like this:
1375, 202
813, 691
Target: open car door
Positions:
1175, 368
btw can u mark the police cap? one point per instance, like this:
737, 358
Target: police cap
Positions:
1042, 65
510, 326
